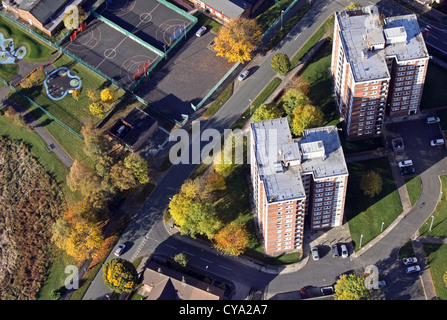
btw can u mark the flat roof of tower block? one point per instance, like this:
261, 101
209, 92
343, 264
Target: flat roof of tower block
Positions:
319, 152
329, 160
362, 27
280, 183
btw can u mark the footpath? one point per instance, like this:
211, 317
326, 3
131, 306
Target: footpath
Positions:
52, 145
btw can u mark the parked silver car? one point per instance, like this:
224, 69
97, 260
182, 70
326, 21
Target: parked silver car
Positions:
315, 254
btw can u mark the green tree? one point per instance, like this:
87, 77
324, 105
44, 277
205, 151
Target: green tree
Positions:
120, 275
95, 143
97, 109
305, 117
121, 177
201, 219
181, 259
445, 278
281, 63
293, 98
351, 287
82, 178
180, 203
267, 111
371, 184
139, 167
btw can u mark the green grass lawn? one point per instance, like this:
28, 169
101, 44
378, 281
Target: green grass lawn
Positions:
434, 93
326, 29
365, 215
221, 99
69, 111
37, 51
359, 145
319, 78
439, 228
269, 16
414, 188
437, 260
56, 275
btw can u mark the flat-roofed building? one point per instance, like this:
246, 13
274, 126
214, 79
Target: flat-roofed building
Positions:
227, 10
285, 173
378, 69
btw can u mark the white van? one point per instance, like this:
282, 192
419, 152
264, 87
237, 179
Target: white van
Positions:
431, 120
405, 163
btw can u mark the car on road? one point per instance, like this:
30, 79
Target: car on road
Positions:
315, 254
120, 249
405, 163
413, 269
408, 261
243, 75
344, 251
431, 120
407, 170
201, 31
335, 251
327, 290
437, 142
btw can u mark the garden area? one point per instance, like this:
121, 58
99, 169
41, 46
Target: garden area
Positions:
365, 214
83, 105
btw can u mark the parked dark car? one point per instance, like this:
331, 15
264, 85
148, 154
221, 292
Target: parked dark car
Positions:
407, 170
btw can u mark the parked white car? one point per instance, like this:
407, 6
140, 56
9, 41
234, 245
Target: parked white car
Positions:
315, 254
437, 142
413, 269
431, 120
405, 163
243, 75
408, 261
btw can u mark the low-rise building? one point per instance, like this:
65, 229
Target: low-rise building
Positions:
226, 10
46, 15
162, 283
134, 130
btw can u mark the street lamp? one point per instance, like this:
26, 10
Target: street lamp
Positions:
431, 224
361, 237
282, 11
381, 229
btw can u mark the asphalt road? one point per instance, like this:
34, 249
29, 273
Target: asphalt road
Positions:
146, 233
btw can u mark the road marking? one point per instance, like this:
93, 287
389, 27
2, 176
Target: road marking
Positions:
434, 36
189, 253
206, 260
224, 267
171, 247
297, 36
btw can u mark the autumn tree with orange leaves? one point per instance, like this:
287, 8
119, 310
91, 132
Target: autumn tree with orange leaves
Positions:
237, 40
232, 239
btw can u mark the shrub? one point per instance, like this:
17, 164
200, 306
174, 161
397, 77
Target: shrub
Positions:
281, 63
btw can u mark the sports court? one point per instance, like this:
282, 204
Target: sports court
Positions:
111, 52
149, 20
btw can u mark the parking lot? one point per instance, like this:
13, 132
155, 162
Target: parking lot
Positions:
416, 136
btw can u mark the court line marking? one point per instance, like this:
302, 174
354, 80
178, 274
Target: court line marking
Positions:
116, 47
